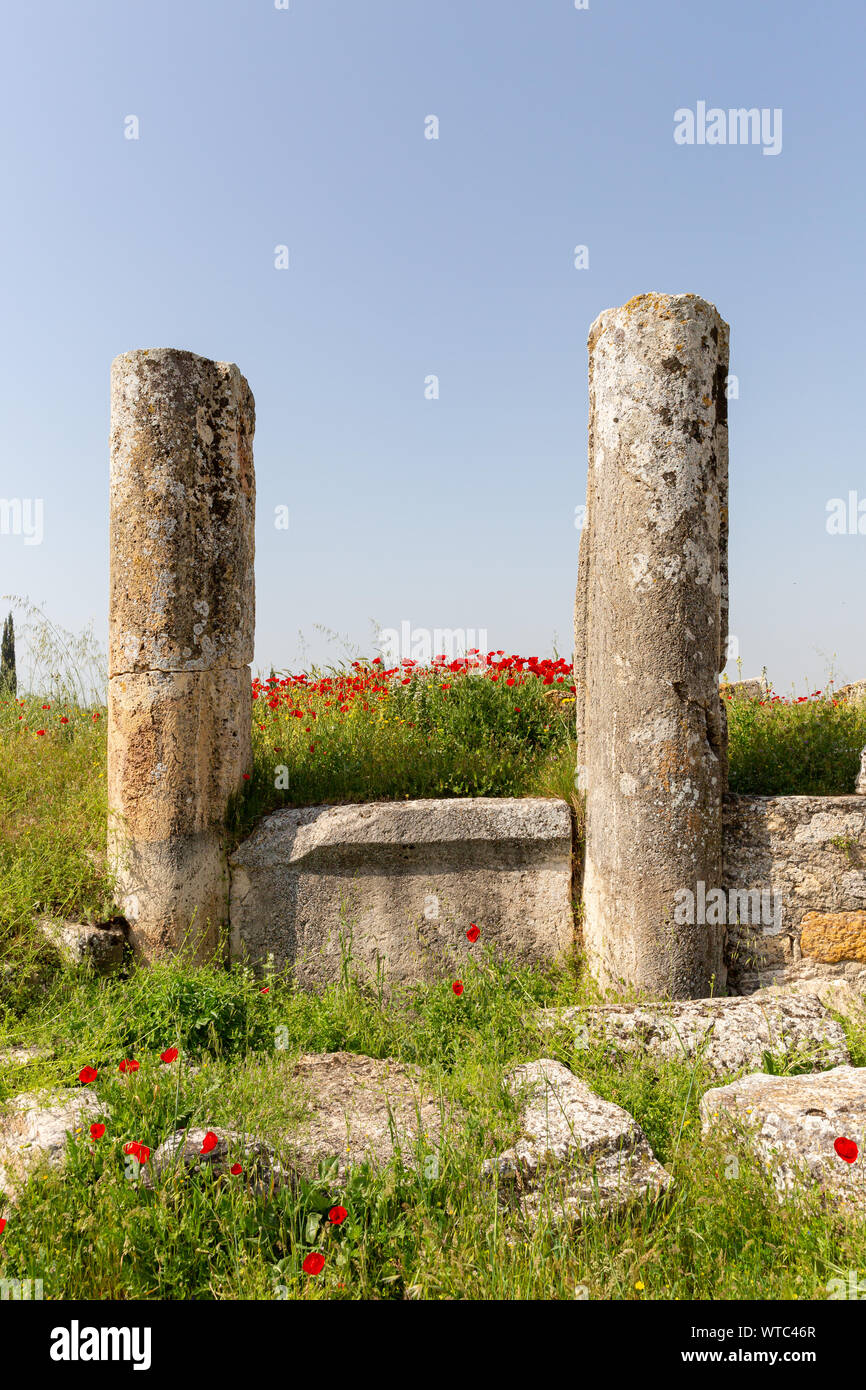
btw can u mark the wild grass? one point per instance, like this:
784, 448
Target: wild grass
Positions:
94, 1231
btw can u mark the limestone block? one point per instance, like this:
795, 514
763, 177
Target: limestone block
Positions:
577, 1155
403, 881
834, 936
792, 1122
731, 1034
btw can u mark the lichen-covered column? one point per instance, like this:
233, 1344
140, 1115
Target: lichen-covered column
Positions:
650, 636
180, 639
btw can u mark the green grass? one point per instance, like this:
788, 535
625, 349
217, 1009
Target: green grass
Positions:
92, 1231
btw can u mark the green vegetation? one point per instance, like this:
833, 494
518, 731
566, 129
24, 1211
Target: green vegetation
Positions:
93, 1231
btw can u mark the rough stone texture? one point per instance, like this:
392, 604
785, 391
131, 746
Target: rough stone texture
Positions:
792, 1122
182, 1153
362, 1109
182, 514
732, 1034
34, 1127
834, 936
812, 850
577, 1154
180, 637
836, 995
77, 942
404, 881
23, 1056
650, 634
744, 690
855, 691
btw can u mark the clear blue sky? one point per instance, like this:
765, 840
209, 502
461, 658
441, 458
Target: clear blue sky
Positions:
411, 257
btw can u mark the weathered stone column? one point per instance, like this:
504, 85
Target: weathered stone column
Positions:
180, 639
650, 635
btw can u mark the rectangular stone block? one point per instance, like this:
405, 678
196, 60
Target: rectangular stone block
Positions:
403, 882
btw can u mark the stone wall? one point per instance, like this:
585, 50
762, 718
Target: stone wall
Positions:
402, 883
812, 851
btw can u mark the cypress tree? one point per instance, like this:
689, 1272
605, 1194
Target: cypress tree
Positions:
8, 676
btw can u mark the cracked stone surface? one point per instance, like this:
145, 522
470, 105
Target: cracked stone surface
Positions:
733, 1033
34, 1126
792, 1122
577, 1154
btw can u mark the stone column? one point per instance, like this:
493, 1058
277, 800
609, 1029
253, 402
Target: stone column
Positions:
180, 639
650, 635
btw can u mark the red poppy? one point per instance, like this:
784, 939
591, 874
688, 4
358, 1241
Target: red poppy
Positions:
86, 1075
457, 987
63, 719
2, 1224
236, 1170
169, 1055
473, 933
266, 990
847, 1149
97, 1131
129, 1064
337, 1215
40, 731
209, 1142
246, 776
314, 1263
139, 1151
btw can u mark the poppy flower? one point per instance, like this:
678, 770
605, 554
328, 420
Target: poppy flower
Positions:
266, 990
97, 1131
138, 1151
86, 1075
246, 776
337, 1215
236, 1170
129, 1064
63, 719
2, 1224
473, 933
40, 731
457, 987
209, 1142
314, 1263
847, 1149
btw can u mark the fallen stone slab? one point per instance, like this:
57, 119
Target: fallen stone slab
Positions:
78, 942
400, 884
837, 995
792, 1123
362, 1109
731, 1034
23, 1056
577, 1154
34, 1127
182, 1153
358, 1109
